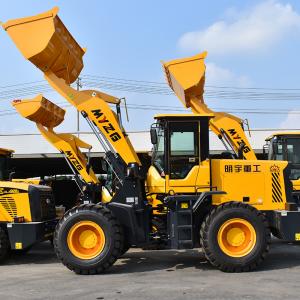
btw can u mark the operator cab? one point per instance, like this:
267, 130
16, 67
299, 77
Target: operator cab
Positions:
285, 146
180, 142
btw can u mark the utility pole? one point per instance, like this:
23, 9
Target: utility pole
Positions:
78, 87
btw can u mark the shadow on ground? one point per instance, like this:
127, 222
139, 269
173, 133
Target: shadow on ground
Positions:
282, 256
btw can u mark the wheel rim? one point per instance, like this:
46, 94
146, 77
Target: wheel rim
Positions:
86, 240
236, 237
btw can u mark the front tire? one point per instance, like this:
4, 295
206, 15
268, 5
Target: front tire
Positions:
88, 239
235, 237
4, 245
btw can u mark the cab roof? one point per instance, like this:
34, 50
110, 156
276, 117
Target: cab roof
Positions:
283, 133
166, 116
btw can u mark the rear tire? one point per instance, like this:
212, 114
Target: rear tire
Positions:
235, 237
88, 239
4, 245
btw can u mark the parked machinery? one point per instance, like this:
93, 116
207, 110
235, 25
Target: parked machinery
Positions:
27, 211
226, 206
47, 116
286, 146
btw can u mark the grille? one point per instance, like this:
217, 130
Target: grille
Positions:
276, 188
9, 205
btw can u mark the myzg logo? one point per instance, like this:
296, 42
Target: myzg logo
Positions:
239, 140
74, 160
106, 125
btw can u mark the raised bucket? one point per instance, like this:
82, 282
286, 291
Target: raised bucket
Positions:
45, 41
186, 77
40, 110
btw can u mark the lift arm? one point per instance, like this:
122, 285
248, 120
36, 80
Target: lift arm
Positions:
186, 77
53, 50
47, 115
93, 105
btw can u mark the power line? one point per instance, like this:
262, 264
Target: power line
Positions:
112, 79
210, 86
180, 109
125, 80
21, 84
22, 90
121, 84
207, 94
15, 93
151, 87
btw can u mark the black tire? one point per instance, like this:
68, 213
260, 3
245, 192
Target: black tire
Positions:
4, 245
209, 241
113, 239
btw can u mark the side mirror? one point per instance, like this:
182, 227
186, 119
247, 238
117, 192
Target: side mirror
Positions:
153, 136
11, 176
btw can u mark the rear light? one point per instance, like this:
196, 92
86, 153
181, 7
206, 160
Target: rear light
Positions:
19, 220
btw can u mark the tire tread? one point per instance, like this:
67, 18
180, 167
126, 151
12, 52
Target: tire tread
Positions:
205, 243
117, 232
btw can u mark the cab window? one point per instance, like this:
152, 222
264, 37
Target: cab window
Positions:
184, 148
279, 153
293, 157
293, 150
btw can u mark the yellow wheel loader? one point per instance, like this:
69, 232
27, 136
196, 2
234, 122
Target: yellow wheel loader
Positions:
225, 206
27, 211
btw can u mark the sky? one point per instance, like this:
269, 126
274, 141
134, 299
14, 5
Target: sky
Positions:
250, 44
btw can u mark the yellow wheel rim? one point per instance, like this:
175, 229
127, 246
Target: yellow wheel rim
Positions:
86, 240
236, 237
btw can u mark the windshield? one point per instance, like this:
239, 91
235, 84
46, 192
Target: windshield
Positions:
293, 150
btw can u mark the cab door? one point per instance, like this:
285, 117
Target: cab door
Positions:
183, 156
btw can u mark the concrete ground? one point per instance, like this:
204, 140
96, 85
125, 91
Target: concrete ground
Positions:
151, 275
